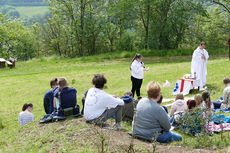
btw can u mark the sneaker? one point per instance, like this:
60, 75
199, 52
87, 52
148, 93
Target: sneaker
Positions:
117, 126
201, 89
139, 98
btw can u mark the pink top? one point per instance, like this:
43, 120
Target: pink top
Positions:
178, 106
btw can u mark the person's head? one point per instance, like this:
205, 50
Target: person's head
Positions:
62, 82
99, 81
160, 100
191, 104
226, 81
179, 96
27, 106
138, 57
128, 93
206, 98
202, 45
54, 83
198, 99
153, 90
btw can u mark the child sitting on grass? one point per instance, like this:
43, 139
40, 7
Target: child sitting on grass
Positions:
160, 102
179, 106
26, 116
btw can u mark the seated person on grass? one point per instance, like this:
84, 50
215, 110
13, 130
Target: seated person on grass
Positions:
26, 115
100, 106
225, 103
198, 99
177, 109
49, 96
151, 120
160, 102
190, 122
207, 105
67, 97
179, 106
130, 105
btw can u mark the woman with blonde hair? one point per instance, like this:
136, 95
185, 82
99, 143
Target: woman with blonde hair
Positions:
198, 99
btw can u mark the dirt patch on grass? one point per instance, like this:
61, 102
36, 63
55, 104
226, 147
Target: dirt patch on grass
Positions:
77, 132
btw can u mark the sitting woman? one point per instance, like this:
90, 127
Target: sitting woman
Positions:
198, 99
151, 121
178, 108
207, 104
26, 115
224, 103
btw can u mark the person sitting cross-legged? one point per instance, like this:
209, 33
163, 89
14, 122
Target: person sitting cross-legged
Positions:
67, 97
49, 96
151, 121
100, 106
224, 102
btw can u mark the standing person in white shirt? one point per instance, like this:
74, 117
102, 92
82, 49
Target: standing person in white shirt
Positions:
137, 74
100, 106
199, 64
26, 115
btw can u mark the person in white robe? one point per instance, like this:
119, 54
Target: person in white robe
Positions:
199, 64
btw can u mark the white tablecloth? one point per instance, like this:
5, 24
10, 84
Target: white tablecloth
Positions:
185, 85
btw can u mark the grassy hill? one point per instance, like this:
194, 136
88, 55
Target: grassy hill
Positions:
30, 80
30, 11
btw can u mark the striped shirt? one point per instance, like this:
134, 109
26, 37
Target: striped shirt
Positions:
25, 117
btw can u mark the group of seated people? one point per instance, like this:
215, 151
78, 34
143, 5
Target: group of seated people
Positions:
151, 119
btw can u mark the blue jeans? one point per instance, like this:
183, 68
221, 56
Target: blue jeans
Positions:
168, 137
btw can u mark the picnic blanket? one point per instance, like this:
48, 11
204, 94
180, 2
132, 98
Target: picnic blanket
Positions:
218, 127
224, 110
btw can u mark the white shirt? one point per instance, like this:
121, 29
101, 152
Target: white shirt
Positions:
25, 117
97, 101
137, 70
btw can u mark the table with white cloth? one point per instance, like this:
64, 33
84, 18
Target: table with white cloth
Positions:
185, 85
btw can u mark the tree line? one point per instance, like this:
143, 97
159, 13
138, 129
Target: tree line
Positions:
88, 27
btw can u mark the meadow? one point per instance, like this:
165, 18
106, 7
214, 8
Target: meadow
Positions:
31, 11
30, 80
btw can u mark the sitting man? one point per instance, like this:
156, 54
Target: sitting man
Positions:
225, 103
100, 106
49, 96
151, 121
67, 97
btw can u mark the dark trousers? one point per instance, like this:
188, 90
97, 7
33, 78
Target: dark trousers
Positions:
229, 52
136, 86
117, 111
47, 106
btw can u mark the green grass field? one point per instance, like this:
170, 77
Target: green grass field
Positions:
30, 11
30, 80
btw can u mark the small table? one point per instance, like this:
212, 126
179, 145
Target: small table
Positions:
185, 85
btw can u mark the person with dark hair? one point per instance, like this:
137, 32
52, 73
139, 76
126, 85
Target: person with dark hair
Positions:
137, 74
67, 97
100, 106
26, 115
49, 96
199, 64
191, 104
224, 103
160, 102
207, 101
151, 121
